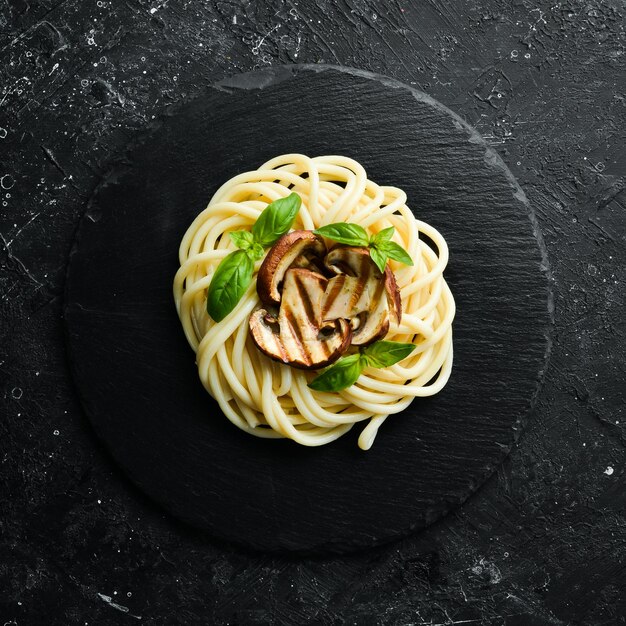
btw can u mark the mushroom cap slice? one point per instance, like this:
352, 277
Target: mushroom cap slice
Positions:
357, 262
372, 325
347, 296
299, 245
361, 293
298, 337
362, 301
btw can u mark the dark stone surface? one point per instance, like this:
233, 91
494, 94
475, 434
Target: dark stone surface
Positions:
543, 541
135, 372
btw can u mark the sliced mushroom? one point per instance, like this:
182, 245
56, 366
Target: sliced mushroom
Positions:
393, 294
298, 337
362, 301
360, 293
308, 260
347, 296
300, 246
357, 262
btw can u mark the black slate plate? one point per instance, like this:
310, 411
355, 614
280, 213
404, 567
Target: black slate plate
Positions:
136, 375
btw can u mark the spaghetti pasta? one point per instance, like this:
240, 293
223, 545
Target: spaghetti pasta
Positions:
270, 399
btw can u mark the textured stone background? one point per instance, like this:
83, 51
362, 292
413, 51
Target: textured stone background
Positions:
544, 541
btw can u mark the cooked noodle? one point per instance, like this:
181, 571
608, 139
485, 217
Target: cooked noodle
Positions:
270, 399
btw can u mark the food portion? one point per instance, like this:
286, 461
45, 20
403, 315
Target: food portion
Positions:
316, 304
312, 302
295, 333
361, 293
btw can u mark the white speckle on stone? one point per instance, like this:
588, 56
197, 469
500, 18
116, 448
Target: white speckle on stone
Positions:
99, 501
153, 10
7, 181
109, 601
609, 470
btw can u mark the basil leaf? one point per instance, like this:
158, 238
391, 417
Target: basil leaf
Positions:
386, 353
395, 252
384, 235
276, 219
242, 238
350, 234
255, 251
343, 374
380, 258
229, 283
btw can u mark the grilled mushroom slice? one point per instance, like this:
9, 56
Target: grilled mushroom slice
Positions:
297, 336
360, 293
299, 247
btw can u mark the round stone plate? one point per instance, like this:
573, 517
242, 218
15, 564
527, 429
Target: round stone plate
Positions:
135, 373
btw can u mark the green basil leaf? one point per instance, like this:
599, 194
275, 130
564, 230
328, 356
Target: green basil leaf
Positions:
229, 283
395, 252
242, 238
380, 258
384, 235
343, 374
276, 219
350, 234
386, 353
255, 251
